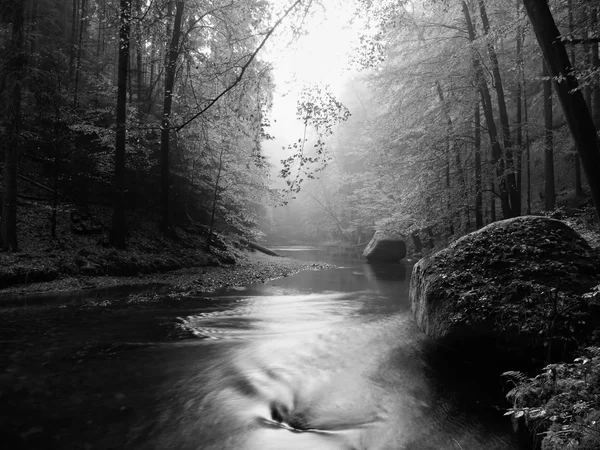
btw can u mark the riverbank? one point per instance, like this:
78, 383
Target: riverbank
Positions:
80, 257
249, 268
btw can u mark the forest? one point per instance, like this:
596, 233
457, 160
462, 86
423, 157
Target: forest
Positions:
451, 115
147, 144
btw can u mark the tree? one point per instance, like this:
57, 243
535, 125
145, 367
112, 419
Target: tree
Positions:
165, 131
10, 88
118, 229
549, 190
514, 196
567, 88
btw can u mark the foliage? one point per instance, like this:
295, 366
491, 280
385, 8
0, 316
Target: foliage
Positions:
318, 109
562, 403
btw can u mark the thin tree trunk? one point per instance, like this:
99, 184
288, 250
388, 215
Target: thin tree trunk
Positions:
82, 27
594, 11
74, 21
486, 101
478, 189
34, 33
139, 56
215, 200
449, 222
549, 190
166, 225
515, 201
57, 156
578, 186
519, 105
118, 230
576, 112
12, 84
452, 147
528, 154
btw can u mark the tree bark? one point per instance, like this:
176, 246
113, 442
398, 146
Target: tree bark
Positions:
12, 78
139, 65
519, 106
575, 109
82, 27
118, 230
166, 225
486, 101
577, 165
452, 147
215, 199
594, 11
549, 190
478, 189
514, 198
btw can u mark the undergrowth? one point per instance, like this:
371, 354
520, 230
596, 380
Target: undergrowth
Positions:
561, 405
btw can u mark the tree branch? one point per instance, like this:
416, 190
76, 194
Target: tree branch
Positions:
244, 67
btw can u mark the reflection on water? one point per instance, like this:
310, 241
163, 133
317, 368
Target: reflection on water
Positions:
323, 360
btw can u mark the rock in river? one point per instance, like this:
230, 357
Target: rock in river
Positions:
385, 248
513, 288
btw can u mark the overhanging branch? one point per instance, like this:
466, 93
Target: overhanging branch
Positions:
243, 69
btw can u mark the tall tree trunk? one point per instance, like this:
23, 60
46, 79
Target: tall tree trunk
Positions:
594, 11
449, 222
139, 57
519, 105
578, 186
549, 190
453, 148
118, 230
82, 28
514, 198
527, 154
215, 201
478, 189
34, 33
166, 225
575, 109
486, 101
72, 53
12, 78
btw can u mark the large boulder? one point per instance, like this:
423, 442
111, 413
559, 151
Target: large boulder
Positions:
516, 286
385, 248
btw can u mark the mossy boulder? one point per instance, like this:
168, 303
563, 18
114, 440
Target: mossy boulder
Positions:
513, 287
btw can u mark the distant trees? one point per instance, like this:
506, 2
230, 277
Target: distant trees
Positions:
457, 112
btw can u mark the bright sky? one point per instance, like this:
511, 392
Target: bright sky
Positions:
321, 56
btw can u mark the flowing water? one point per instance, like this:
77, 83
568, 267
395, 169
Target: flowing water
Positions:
327, 359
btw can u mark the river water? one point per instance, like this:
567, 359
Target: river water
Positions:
328, 359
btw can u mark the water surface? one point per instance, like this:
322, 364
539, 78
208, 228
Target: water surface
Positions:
328, 359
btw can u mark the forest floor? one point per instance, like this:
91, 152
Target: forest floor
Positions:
79, 256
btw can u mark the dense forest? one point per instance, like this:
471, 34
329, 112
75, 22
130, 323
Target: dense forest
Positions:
455, 123
449, 117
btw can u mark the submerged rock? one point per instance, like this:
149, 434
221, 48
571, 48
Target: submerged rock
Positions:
514, 286
385, 248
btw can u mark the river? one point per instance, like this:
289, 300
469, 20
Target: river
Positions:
324, 360
327, 359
